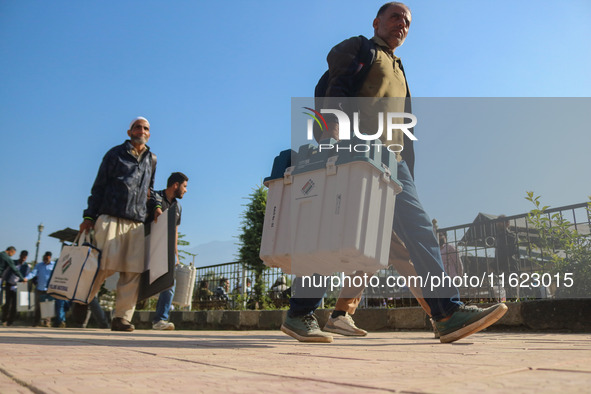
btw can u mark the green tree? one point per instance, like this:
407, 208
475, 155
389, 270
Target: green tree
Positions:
250, 239
183, 253
567, 250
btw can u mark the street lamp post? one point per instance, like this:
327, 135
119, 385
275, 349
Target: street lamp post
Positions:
40, 229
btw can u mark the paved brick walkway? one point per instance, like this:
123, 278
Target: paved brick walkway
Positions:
100, 361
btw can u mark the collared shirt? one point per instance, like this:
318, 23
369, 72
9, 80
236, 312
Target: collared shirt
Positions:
136, 153
384, 80
168, 204
162, 200
383, 89
43, 272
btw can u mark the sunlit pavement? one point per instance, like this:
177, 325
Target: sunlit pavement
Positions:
51, 360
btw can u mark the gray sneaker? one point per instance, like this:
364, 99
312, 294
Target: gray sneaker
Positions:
305, 329
163, 325
344, 325
468, 320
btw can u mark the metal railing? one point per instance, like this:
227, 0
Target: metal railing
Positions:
507, 251
490, 248
231, 286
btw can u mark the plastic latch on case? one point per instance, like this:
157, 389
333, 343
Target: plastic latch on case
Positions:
331, 168
386, 174
287, 177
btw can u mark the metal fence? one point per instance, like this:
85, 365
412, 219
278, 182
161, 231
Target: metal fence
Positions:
503, 253
508, 251
231, 286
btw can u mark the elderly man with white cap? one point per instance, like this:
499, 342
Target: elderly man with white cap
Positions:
116, 211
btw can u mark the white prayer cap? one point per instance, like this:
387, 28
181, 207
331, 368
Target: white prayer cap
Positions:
136, 119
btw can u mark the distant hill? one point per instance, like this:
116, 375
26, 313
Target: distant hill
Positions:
215, 252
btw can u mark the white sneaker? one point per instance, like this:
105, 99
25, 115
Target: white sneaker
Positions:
344, 325
163, 325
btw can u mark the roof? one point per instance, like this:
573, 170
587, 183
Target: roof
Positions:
66, 235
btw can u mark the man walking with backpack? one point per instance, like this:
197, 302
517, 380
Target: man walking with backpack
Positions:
351, 75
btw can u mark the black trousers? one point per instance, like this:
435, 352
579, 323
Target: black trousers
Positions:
9, 307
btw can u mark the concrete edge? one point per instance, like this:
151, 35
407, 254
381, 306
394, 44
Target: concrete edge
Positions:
571, 315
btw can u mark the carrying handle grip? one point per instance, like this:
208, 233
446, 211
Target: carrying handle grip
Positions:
86, 238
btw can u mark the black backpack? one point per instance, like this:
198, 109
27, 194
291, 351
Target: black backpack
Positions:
351, 82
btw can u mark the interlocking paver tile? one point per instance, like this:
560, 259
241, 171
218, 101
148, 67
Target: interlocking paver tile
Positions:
145, 361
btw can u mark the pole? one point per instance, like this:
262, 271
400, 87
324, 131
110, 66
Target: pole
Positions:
40, 229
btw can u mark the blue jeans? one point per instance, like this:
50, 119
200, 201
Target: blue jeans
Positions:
414, 227
61, 307
97, 313
299, 306
164, 303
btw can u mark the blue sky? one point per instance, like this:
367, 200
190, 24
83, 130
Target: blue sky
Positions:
216, 79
